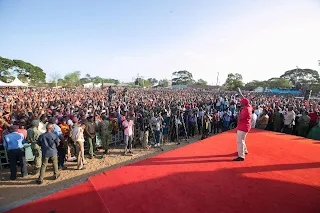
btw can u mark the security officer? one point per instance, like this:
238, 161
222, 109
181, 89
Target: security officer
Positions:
13, 142
33, 134
104, 130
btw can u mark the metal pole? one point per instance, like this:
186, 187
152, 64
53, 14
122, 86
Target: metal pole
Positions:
217, 79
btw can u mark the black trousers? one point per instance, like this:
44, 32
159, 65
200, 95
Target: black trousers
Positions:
16, 155
61, 156
192, 128
214, 128
288, 129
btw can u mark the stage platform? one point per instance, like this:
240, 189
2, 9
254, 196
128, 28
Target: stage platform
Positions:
281, 174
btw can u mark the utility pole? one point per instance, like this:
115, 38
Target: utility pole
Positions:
217, 79
138, 77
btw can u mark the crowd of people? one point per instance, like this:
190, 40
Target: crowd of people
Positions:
58, 123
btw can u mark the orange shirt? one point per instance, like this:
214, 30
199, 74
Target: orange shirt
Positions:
24, 132
65, 129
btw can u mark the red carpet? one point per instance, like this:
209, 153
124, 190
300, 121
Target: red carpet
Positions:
281, 174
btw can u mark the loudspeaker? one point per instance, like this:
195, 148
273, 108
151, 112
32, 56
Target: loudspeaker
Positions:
307, 95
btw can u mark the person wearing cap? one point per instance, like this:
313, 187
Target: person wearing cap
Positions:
49, 143
277, 120
243, 127
61, 149
314, 133
13, 142
90, 135
104, 130
33, 134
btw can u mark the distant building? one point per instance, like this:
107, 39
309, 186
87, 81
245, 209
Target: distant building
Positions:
258, 89
179, 86
91, 85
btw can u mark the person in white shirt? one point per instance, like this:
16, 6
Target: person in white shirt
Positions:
77, 136
258, 111
289, 121
254, 120
43, 124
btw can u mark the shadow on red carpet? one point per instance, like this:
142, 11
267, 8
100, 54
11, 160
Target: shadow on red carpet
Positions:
201, 178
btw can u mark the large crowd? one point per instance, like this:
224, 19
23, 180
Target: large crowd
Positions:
59, 123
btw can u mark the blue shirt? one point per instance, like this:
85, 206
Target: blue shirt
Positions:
14, 140
49, 143
57, 130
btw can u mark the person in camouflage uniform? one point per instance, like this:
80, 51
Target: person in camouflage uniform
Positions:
104, 130
33, 134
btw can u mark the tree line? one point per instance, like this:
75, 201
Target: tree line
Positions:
305, 79
34, 75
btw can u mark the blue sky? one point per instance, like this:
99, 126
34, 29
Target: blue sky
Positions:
119, 39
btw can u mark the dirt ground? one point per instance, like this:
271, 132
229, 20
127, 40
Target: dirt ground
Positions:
14, 193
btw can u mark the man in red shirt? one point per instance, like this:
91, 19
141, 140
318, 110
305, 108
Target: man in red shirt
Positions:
243, 127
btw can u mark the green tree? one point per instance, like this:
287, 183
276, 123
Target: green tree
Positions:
6, 66
279, 83
110, 80
254, 84
142, 82
61, 82
29, 73
163, 83
182, 77
302, 78
202, 82
72, 79
88, 76
153, 81
233, 81
97, 80
25, 71
84, 81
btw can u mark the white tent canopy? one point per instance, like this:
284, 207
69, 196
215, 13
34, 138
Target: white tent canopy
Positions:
2, 84
17, 83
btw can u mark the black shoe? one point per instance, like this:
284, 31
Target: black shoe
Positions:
238, 159
56, 176
246, 153
13, 178
39, 181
